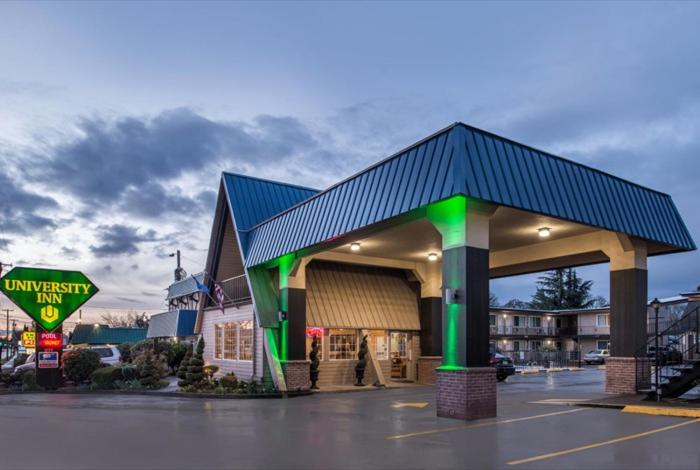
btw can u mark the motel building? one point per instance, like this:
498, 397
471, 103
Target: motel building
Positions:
403, 252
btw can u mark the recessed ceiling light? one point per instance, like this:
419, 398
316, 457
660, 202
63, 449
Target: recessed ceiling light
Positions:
544, 232
355, 246
432, 256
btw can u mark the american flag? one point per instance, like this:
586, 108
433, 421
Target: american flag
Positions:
220, 296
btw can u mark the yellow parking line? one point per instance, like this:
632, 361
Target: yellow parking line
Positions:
481, 425
600, 444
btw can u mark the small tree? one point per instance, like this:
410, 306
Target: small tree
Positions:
79, 364
194, 370
362, 362
184, 364
149, 376
315, 363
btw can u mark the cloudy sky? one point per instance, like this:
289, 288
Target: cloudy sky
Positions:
116, 119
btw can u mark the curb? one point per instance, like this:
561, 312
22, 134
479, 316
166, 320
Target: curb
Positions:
161, 394
663, 411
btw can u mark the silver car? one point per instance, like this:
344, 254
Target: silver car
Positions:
597, 356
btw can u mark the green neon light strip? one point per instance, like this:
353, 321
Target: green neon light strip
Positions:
285, 263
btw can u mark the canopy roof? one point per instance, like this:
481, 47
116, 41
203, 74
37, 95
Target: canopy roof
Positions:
273, 219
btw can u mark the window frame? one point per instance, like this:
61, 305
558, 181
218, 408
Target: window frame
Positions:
352, 352
598, 316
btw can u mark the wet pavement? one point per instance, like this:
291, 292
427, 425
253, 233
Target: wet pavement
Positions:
537, 427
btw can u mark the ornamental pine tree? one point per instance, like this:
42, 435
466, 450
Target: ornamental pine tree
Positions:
184, 364
149, 376
195, 372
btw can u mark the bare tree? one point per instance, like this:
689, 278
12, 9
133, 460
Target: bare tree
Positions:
129, 319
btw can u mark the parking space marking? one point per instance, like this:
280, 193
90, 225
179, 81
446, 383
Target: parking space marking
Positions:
403, 404
481, 425
602, 443
560, 401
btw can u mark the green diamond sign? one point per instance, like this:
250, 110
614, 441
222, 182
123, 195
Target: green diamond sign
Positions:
48, 296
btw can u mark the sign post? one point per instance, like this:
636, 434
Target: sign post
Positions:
49, 297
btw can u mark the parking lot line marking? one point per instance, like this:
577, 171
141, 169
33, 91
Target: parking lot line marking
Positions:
404, 404
602, 443
481, 425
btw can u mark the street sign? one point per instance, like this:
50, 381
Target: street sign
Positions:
48, 360
48, 296
29, 339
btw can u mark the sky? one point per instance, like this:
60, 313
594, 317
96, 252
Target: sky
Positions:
116, 119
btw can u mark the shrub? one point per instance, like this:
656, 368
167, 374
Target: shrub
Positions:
134, 384
210, 370
177, 354
194, 369
229, 381
29, 382
104, 378
182, 368
79, 364
149, 376
125, 352
129, 372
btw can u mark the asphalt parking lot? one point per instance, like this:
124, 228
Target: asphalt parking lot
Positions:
537, 427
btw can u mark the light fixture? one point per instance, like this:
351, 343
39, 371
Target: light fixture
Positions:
544, 232
432, 256
355, 246
97, 325
505, 316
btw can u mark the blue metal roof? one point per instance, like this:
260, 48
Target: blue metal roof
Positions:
172, 323
104, 334
184, 287
255, 200
459, 160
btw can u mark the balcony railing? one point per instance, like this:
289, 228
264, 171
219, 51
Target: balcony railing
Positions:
236, 289
524, 330
593, 330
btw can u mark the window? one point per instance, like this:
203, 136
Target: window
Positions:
311, 333
535, 345
381, 344
535, 322
516, 320
230, 341
602, 344
492, 320
516, 345
342, 344
245, 339
398, 342
602, 320
217, 341
104, 352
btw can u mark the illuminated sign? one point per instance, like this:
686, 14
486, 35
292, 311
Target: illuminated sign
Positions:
48, 360
29, 339
50, 340
48, 296
314, 331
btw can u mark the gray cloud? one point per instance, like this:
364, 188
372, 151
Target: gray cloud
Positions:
18, 209
120, 239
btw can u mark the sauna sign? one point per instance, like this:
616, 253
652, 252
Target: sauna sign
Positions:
48, 296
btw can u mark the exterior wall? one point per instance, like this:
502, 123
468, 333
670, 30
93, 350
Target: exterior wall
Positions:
624, 375
245, 370
587, 325
467, 394
427, 375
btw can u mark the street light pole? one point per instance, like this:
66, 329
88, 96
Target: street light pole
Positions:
656, 304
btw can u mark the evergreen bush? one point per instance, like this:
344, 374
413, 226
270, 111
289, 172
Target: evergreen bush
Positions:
149, 376
195, 373
184, 364
104, 378
79, 364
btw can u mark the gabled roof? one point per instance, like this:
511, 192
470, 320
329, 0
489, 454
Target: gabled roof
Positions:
104, 334
172, 323
184, 287
461, 159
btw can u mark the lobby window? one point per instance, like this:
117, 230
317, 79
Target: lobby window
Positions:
230, 341
311, 332
536, 322
217, 341
342, 344
602, 320
245, 338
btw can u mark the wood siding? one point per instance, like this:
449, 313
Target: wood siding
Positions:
245, 370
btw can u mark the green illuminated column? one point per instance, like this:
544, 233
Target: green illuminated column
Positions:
464, 226
293, 302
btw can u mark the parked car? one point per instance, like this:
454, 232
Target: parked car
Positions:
26, 366
597, 356
667, 355
109, 355
504, 366
17, 360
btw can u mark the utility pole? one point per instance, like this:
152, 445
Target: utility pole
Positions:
7, 330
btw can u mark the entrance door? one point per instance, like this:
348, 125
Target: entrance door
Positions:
399, 348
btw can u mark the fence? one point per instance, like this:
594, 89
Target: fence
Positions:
544, 358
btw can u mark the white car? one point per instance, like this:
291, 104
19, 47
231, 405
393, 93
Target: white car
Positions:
597, 356
18, 359
109, 355
28, 365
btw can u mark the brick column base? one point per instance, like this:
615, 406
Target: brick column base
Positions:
297, 375
467, 394
625, 375
427, 375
